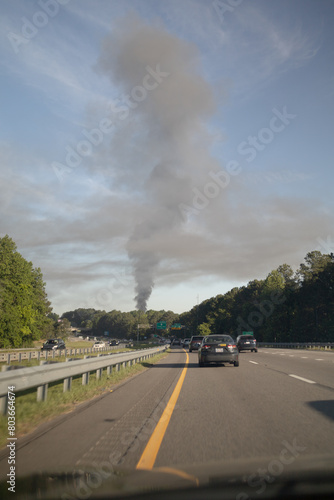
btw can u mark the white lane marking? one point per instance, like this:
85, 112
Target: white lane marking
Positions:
303, 379
319, 359
304, 357
254, 362
282, 354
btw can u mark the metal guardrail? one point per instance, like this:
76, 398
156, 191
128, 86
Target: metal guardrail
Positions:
29, 354
40, 376
297, 345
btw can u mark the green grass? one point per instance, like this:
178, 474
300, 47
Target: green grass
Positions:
30, 413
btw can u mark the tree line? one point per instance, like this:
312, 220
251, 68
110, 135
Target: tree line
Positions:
122, 325
286, 306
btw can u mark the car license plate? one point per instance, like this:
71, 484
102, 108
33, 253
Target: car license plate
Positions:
219, 349
247, 342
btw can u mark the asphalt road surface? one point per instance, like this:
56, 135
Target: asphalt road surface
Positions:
275, 400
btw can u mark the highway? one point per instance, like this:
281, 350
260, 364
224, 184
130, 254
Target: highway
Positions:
275, 399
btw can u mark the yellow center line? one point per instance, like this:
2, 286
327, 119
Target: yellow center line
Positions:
150, 453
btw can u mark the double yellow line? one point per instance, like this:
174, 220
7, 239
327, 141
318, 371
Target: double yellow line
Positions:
150, 452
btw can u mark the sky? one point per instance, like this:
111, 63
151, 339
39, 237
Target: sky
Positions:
157, 153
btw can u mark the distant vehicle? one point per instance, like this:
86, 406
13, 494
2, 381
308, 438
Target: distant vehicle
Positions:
246, 343
185, 342
114, 342
53, 345
176, 342
218, 349
195, 342
99, 345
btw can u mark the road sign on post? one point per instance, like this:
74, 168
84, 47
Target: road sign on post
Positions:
161, 325
176, 326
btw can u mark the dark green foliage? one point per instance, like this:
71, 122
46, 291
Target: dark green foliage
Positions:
23, 302
119, 324
284, 307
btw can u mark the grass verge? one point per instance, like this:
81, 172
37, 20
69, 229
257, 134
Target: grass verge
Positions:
29, 413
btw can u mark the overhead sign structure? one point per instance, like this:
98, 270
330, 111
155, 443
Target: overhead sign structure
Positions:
161, 325
176, 326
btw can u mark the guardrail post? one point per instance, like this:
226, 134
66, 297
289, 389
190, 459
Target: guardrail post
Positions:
85, 378
4, 404
109, 370
8, 358
98, 373
42, 392
67, 384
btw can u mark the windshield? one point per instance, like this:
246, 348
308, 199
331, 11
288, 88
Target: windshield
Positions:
167, 180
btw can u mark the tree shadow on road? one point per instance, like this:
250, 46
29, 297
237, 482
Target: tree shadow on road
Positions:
324, 407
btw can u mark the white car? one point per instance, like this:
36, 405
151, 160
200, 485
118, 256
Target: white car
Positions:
99, 345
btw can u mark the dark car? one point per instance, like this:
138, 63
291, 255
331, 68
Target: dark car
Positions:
195, 342
114, 342
218, 349
176, 342
53, 345
246, 343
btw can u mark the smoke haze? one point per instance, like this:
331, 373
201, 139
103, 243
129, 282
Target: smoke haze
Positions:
167, 128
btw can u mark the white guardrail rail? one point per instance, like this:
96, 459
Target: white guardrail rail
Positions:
29, 354
298, 345
23, 378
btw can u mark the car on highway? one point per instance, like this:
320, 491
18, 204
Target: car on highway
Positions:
114, 342
176, 342
195, 342
246, 343
218, 349
185, 343
53, 345
99, 344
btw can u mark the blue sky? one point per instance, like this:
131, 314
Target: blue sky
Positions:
168, 150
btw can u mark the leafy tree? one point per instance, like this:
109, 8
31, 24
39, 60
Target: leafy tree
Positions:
24, 307
63, 329
204, 329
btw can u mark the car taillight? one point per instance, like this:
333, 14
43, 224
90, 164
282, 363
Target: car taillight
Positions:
205, 346
231, 347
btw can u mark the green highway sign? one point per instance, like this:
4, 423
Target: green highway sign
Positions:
176, 326
161, 325
248, 333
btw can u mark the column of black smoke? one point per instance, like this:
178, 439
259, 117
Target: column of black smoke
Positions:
165, 122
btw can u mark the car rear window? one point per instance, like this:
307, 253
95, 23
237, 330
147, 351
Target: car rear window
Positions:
212, 339
196, 339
